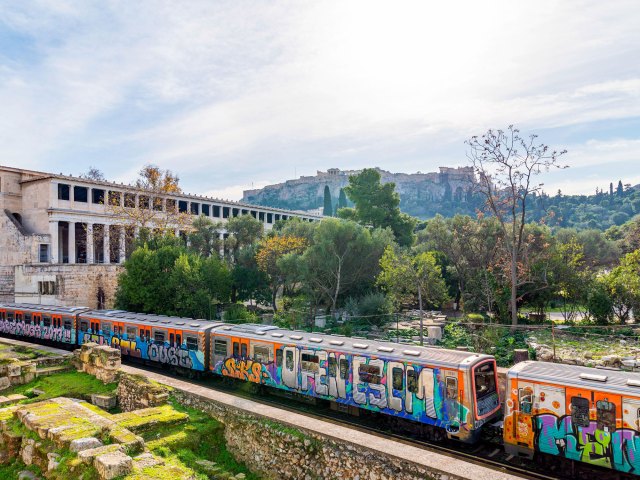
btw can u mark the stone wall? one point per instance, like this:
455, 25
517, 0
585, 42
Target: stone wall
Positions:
77, 284
136, 392
101, 361
277, 451
17, 373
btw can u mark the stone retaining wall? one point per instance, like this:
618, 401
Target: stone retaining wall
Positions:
277, 451
101, 361
136, 392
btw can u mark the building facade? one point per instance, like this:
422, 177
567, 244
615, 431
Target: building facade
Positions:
63, 238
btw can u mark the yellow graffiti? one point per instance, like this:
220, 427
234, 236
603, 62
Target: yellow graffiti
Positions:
245, 370
127, 347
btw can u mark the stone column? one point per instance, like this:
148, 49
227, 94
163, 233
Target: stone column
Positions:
72, 242
90, 256
106, 243
54, 231
122, 253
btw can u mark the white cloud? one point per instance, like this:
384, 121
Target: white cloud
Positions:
249, 89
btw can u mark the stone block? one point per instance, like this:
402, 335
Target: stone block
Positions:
53, 461
434, 332
4, 401
87, 456
4, 383
27, 452
112, 465
16, 398
106, 402
14, 369
81, 444
146, 460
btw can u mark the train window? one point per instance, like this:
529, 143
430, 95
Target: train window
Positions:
279, 358
525, 398
606, 415
84, 325
67, 324
344, 369
172, 339
397, 378
27, 318
243, 350
10, 316
261, 354
192, 343
159, 337
1, 315
333, 367
579, 412
95, 327
289, 360
236, 349
412, 381
18, 317
220, 348
369, 373
178, 339
452, 388
106, 328
310, 363
46, 320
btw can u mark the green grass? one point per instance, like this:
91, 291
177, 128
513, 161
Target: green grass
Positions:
14, 467
67, 384
202, 438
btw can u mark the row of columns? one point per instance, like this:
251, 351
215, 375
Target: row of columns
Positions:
71, 242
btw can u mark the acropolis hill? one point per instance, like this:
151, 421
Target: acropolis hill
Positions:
418, 191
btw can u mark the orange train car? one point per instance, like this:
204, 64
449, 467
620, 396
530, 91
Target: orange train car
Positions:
578, 413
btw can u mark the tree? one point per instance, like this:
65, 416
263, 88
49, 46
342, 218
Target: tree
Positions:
151, 177
327, 211
406, 276
269, 252
611, 189
619, 189
377, 205
506, 164
244, 231
343, 258
342, 199
94, 173
204, 239
623, 286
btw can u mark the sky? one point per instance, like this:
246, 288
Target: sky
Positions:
239, 94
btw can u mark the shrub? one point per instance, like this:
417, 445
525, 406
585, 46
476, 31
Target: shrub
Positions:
372, 308
238, 313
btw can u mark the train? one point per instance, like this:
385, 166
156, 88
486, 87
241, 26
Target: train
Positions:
549, 410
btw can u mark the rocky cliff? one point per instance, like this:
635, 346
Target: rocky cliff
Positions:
419, 192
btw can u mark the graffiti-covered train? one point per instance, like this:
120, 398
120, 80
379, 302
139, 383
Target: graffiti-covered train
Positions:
576, 413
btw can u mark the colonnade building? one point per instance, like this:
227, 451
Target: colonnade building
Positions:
63, 238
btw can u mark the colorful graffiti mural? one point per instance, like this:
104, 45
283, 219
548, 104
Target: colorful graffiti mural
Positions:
558, 436
54, 334
429, 395
247, 370
137, 347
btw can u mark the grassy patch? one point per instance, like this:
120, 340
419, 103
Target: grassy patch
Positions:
202, 438
67, 384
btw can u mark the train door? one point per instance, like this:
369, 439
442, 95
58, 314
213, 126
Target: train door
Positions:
175, 338
54, 330
524, 414
219, 350
240, 347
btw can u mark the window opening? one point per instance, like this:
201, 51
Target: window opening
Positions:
159, 337
344, 369
579, 412
397, 375
192, 343
369, 373
80, 194
220, 348
63, 191
279, 358
452, 388
310, 363
289, 360
243, 350
525, 398
606, 415
261, 354
236, 349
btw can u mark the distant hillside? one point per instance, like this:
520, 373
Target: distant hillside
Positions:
450, 191
421, 194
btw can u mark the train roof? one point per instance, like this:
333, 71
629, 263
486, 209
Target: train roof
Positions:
151, 320
354, 345
600, 379
53, 309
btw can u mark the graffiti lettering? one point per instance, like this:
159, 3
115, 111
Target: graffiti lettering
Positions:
246, 370
558, 436
127, 347
36, 331
176, 356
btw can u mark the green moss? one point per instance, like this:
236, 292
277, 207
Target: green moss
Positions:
67, 384
150, 418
